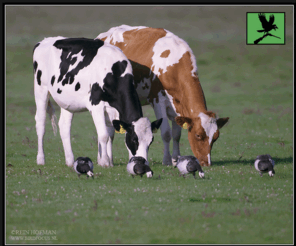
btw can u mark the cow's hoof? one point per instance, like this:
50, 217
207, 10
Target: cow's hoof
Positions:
167, 161
40, 160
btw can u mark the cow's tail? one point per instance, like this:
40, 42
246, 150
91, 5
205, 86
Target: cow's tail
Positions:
50, 110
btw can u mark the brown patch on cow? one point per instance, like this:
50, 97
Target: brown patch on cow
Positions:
184, 87
210, 114
165, 54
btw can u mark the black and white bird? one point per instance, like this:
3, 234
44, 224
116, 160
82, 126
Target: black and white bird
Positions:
84, 165
264, 164
139, 166
189, 164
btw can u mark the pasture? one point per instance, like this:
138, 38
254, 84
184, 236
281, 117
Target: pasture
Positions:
252, 85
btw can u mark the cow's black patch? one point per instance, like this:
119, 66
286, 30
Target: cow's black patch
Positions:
77, 86
71, 47
118, 68
52, 80
35, 65
120, 93
96, 94
131, 138
39, 73
59, 91
132, 141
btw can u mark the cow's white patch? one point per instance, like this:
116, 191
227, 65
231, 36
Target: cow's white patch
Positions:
209, 124
79, 59
143, 130
115, 34
177, 47
169, 105
201, 174
209, 159
270, 173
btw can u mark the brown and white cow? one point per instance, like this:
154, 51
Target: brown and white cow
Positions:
166, 77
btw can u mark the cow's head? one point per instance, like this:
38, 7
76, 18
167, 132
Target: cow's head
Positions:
139, 135
203, 131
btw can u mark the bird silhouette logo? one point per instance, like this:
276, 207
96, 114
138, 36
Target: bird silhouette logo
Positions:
267, 27
267, 24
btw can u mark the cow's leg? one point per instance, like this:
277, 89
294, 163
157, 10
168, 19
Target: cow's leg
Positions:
103, 135
176, 140
111, 132
65, 132
41, 99
160, 112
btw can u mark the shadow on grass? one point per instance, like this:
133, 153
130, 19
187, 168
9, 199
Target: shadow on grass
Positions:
278, 161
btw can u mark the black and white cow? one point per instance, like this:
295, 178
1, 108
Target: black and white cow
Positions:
85, 74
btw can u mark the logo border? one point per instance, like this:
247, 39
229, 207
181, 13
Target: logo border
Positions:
266, 12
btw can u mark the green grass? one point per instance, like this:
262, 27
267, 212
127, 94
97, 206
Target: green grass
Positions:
231, 205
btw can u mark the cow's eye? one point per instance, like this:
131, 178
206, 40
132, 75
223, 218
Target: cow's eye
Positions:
198, 136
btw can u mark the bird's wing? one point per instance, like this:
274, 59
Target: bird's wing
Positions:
263, 20
192, 166
264, 166
83, 168
139, 169
271, 19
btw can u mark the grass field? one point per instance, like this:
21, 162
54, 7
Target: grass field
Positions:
253, 85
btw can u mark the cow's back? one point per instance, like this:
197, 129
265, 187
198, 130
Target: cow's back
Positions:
69, 67
161, 61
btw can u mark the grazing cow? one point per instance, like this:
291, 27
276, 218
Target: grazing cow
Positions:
165, 73
86, 74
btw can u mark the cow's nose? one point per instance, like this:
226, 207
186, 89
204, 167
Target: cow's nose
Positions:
205, 163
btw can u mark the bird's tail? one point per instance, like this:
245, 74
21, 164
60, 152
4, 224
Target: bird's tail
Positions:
260, 30
50, 110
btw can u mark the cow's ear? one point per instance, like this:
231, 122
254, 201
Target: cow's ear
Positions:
120, 126
221, 122
155, 125
184, 122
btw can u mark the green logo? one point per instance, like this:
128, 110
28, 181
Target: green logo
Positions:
265, 28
